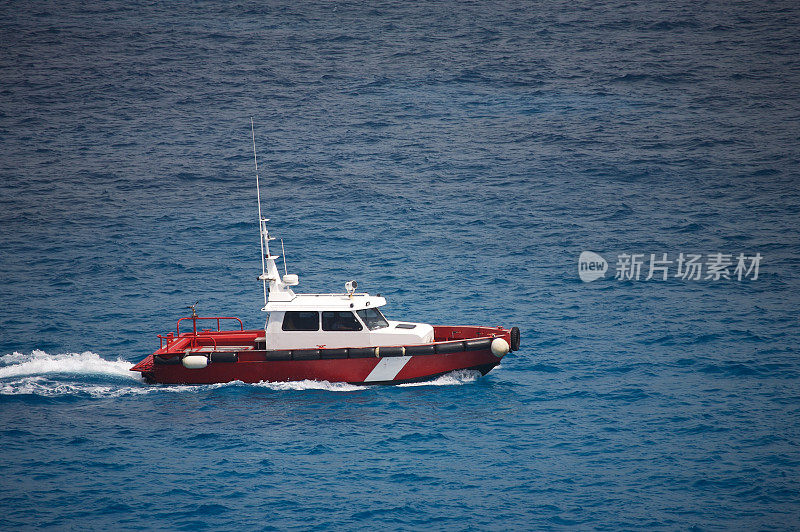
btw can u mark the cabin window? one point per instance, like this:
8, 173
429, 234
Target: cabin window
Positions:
372, 318
301, 321
340, 321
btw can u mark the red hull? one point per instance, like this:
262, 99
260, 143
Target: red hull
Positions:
234, 357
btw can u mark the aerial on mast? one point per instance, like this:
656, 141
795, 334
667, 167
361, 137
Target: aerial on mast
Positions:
261, 221
278, 289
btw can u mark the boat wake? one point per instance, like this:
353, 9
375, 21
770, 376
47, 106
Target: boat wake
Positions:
83, 374
39, 363
306, 385
454, 378
87, 374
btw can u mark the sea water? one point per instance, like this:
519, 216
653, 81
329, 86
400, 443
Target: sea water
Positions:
456, 158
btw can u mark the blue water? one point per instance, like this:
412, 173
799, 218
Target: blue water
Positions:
455, 157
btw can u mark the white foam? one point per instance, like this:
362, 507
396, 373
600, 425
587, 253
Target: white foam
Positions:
454, 378
41, 363
311, 385
45, 387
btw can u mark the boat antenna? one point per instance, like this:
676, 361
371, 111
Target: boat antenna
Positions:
283, 254
194, 317
261, 220
192, 308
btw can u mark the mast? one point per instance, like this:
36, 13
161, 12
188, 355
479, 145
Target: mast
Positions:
278, 289
262, 228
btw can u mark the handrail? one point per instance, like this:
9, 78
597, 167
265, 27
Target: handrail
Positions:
194, 343
169, 338
218, 318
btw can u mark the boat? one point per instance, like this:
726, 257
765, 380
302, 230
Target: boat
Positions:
337, 337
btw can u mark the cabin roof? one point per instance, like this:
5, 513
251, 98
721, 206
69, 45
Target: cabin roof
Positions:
321, 302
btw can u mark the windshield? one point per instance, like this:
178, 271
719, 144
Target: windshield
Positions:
372, 318
340, 321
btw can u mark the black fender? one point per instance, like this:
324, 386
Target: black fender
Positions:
425, 349
514, 344
305, 354
391, 351
224, 356
158, 359
450, 347
361, 352
281, 354
478, 345
333, 353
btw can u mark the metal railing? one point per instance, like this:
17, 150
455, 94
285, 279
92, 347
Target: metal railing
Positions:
194, 342
197, 318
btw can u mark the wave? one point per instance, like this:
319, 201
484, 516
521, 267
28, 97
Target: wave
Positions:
44, 387
67, 374
305, 385
40, 363
454, 378
87, 374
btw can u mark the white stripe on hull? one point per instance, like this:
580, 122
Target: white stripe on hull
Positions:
387, 369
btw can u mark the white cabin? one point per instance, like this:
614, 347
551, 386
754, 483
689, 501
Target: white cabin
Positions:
311, 321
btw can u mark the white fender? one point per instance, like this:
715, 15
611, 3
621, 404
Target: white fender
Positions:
500, 347
194, 361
